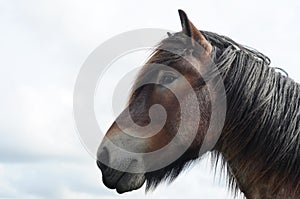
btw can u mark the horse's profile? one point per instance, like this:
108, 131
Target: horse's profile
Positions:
259, 142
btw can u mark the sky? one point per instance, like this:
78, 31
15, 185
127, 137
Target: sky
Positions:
43, 45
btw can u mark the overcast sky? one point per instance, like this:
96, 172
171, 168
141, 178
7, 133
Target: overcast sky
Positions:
43, 45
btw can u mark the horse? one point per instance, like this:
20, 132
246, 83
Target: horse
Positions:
258, 144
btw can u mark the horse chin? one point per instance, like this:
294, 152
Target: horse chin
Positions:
124, 182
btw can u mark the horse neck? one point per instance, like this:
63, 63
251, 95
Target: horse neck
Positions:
260, 140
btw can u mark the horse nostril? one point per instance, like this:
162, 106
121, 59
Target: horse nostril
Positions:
103, 159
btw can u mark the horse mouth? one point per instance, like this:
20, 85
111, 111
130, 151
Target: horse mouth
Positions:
121, 181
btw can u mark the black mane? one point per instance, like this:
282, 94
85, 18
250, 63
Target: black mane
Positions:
262, 124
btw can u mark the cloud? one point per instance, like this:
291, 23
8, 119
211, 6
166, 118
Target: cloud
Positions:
50, 179
44, 43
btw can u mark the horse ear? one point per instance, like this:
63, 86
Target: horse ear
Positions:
190, 30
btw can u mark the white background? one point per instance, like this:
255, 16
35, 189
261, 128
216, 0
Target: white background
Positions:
42, 47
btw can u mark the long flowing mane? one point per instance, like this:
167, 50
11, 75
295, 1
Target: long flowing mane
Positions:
261, 134
268, 117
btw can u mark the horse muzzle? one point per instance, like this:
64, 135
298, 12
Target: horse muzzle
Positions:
119, 169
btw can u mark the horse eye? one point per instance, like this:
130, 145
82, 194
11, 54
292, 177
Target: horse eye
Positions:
167, 79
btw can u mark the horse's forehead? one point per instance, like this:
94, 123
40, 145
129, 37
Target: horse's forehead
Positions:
185, 64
